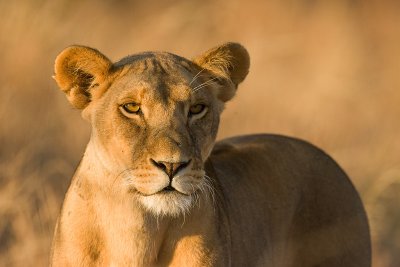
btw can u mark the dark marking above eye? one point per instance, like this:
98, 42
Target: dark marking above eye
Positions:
186, 67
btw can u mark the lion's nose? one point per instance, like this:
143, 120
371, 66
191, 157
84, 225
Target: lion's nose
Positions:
170, 168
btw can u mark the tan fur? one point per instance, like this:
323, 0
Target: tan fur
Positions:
153, 189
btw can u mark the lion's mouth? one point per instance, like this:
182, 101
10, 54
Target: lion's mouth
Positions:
169, 188
171, 197
181, 185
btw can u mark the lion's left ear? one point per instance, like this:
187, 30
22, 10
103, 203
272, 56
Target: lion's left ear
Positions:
230, 61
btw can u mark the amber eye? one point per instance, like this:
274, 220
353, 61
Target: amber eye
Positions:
131, 108
196, 109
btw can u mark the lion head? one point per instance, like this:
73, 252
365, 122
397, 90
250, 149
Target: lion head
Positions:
154, 118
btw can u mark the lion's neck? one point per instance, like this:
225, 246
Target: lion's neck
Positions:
129, 233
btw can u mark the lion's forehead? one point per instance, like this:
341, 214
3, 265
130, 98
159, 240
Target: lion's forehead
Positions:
155, 91
154, 78
160, 64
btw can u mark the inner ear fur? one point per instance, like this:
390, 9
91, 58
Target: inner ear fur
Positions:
230, 61
78, 69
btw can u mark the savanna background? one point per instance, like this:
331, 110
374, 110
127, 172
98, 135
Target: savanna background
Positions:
325, 71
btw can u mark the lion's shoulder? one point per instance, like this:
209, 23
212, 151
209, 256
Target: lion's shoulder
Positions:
252, 145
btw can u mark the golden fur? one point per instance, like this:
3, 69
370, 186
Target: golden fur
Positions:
153, 189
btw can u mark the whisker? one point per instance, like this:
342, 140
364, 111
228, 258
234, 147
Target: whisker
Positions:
205, 83
208, 184
196, 76
196, 197
198, 87
201, 188
127, 179
184, 219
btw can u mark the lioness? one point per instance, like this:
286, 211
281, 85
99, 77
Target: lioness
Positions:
153, 188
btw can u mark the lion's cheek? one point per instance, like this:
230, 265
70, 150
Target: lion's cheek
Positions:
123, 146
187, 184
205, 140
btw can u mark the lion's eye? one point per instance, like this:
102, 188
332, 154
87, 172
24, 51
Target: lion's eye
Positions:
131, 108
196, 109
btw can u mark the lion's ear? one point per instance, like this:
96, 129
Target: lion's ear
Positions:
230, 61
78, 70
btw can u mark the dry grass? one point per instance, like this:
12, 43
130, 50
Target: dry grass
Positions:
325, 71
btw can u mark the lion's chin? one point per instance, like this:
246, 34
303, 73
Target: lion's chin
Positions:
170, 203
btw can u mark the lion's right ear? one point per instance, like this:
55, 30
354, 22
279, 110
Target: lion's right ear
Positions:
230, 61
79, 69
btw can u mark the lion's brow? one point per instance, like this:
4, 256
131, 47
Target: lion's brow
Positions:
196, 76
204, 84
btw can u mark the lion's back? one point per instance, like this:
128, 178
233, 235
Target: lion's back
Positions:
275, 187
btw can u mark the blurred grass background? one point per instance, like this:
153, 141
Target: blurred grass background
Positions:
325, 71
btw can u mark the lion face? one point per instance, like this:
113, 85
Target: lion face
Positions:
154, 118
157, 131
